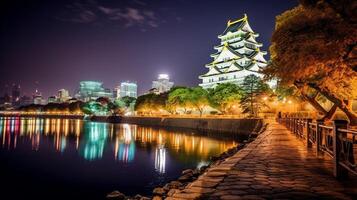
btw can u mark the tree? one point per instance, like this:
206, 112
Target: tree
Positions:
103, 100
314, 48
198, 98
254, 89
179, 98
150, 103
225, 96
94, 107
75, 106
119, 106
128, 100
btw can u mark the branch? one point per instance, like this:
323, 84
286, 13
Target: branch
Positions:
341, 104
311, 100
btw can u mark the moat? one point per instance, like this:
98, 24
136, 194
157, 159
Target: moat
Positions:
69, 158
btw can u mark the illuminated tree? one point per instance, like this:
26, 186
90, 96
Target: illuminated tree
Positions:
55, 107
94, 107
179, 98
254, 89
31, 108
143, 103
198, 98
151, 102
314, 48
224, 96
128, 100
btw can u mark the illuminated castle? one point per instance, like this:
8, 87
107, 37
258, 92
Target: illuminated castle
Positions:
238, 55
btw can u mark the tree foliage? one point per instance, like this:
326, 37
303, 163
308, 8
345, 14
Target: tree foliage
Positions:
179, 98
254, 90
73, 107
94, 107
150, 103
225, 96
314, 48
128, 100
198, 98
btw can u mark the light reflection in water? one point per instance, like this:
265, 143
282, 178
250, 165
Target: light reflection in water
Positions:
91, 139
160, 159
97, 135
124, 144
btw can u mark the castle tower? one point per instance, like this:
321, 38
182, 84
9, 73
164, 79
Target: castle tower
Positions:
238, 55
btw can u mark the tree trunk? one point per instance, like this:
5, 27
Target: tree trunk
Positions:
329, 115
312, 100
341, 104
314, 103
201, 111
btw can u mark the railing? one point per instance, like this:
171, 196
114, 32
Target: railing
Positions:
337, 141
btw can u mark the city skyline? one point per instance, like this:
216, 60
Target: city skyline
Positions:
57, 46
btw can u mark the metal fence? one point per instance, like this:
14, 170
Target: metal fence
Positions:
337, 141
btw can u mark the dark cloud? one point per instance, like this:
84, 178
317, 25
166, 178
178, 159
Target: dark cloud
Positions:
128, 16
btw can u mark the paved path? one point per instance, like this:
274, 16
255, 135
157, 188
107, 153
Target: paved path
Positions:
276, 165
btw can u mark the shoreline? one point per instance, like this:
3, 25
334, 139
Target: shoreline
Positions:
227, 126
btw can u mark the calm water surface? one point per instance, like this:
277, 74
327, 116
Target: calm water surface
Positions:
67, 159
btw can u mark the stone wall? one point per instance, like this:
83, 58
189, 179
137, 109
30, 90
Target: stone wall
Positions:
236, 126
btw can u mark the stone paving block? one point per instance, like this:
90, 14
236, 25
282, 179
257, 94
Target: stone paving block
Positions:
252, 197
187, 195
204, 184
200, 190
230, 197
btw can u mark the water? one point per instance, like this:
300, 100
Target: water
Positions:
65, 159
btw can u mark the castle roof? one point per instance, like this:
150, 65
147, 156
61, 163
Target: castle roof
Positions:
233, 26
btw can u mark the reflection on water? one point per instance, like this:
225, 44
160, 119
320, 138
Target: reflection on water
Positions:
160, 159
97, 134
109, 153
91, 138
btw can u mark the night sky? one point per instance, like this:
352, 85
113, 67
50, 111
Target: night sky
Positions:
51, 45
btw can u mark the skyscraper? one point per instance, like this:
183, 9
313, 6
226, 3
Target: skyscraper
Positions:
238, 55
15, 94
162, 84
63, 95
116, 92
91, 90
129, 89
38, 99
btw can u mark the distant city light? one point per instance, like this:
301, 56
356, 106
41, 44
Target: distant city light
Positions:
164, 76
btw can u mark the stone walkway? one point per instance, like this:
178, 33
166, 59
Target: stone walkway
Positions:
276, 165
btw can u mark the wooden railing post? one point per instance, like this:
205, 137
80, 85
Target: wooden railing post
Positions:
307, 132
318, 134
338, 171
288, 123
